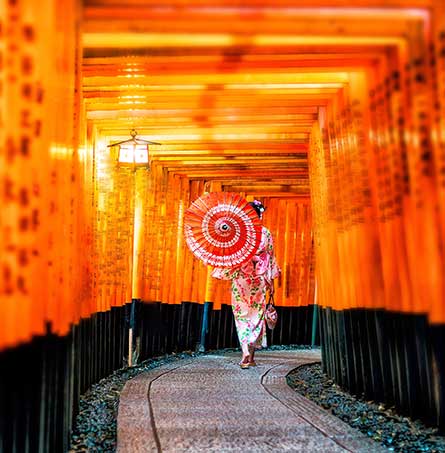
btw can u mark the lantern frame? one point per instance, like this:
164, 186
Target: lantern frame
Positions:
133, 146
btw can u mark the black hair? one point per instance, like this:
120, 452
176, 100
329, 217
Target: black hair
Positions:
258, 207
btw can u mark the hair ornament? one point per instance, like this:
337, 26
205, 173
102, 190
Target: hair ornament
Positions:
259, 205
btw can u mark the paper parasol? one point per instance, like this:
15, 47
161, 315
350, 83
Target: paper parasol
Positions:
222, 229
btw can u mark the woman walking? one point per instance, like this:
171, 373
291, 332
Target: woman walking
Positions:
250, 283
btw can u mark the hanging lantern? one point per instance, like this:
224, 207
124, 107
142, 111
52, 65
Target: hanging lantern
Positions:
133, 152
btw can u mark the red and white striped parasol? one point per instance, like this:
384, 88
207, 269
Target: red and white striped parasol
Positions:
222, 229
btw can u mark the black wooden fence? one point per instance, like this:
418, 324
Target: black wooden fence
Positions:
387, 357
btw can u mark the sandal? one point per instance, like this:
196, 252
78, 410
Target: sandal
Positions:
251, 353
244, 364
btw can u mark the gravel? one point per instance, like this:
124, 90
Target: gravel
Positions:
381, 423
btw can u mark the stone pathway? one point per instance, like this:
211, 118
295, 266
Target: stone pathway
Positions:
209, 404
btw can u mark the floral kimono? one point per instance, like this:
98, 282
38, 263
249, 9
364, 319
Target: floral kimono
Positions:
249, 285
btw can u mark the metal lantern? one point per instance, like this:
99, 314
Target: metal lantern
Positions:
134, 151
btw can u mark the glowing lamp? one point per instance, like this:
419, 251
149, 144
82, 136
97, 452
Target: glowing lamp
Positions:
133, 152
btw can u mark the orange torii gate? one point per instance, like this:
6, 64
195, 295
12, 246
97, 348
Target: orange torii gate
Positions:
332, 115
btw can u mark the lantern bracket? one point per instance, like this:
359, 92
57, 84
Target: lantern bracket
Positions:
133, 139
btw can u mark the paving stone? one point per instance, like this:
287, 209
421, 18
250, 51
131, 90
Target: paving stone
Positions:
210, 404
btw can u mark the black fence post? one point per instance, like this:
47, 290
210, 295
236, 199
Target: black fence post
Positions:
314, 324
204, 327
132, 331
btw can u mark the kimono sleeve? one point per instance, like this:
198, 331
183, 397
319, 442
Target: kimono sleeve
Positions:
224, 273
273, 270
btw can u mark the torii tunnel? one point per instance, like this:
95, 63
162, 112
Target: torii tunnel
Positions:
332, 113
